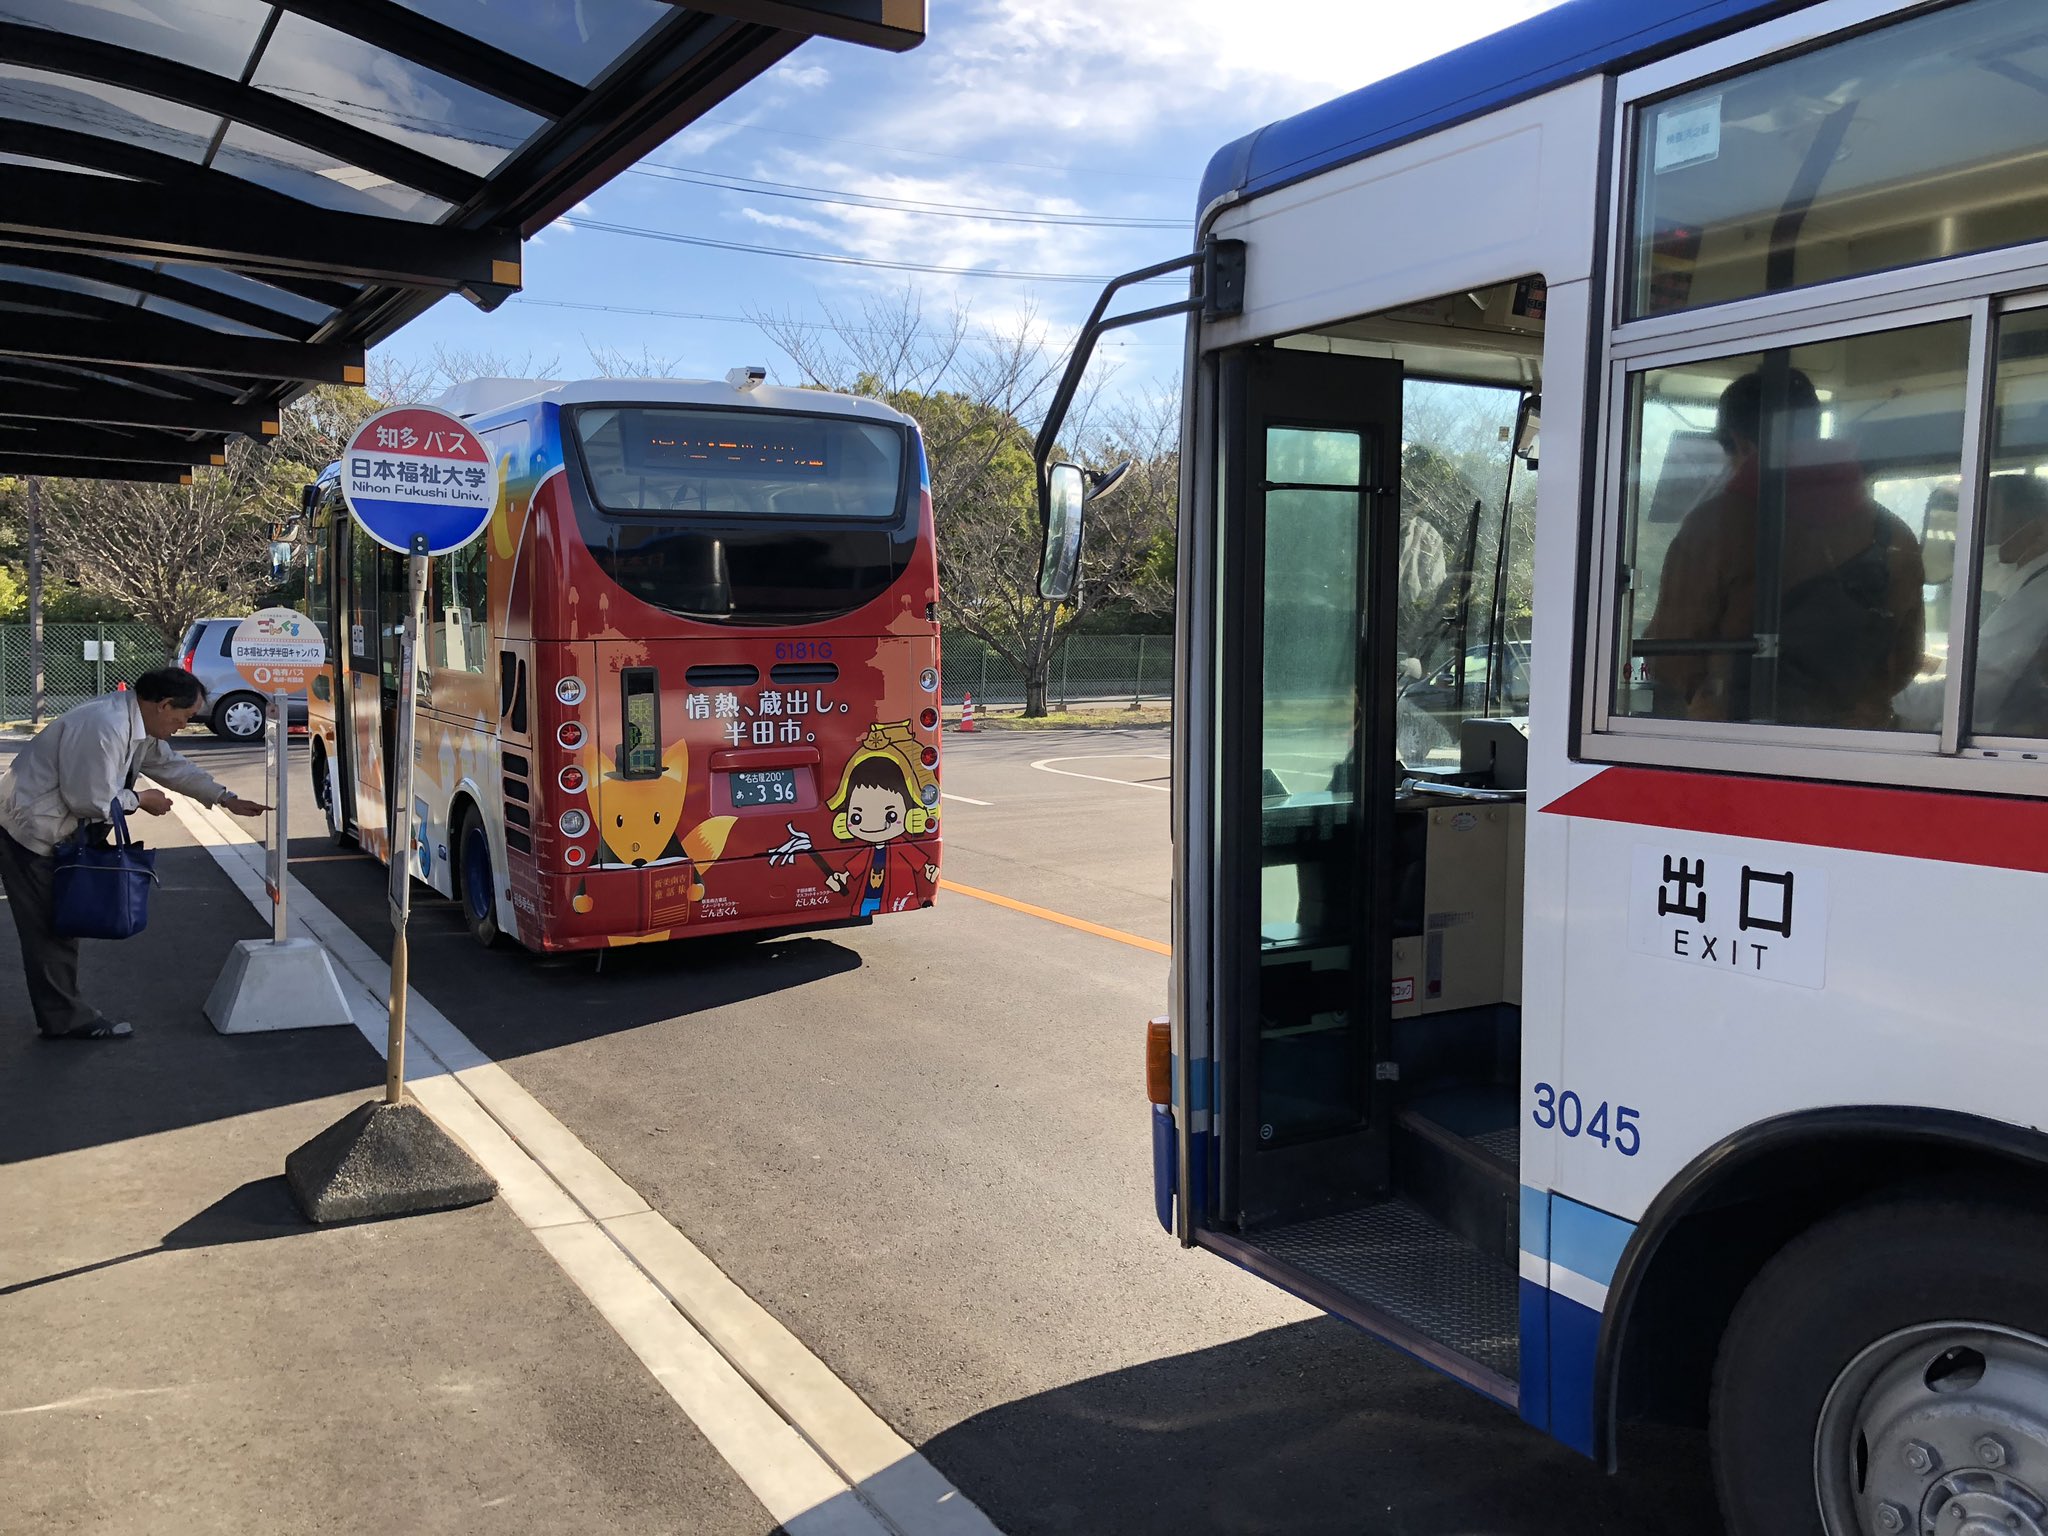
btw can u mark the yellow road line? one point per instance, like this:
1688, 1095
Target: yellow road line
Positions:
1061, 918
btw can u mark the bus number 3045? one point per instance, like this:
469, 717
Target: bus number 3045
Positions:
1566, 1112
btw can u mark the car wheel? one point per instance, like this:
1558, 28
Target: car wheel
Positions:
238, 717
479, 882
1889, 1372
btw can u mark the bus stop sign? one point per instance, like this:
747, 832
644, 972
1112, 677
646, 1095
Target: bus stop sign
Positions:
414, 470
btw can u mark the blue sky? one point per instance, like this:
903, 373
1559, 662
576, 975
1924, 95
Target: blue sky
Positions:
1067, 110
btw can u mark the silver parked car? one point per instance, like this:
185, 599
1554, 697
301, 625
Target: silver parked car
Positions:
237, 711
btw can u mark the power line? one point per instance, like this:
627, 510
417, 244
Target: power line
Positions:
754, 187
873, 262
801, 325
933, 154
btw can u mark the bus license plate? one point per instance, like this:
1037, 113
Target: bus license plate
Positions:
764, 786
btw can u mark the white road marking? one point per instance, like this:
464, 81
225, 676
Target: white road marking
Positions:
818, 1458
963, 799
1044, 765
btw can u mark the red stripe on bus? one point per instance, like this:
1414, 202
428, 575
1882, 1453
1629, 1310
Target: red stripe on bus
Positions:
1990, 830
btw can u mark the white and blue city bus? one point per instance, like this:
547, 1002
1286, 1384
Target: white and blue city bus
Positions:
1611, 853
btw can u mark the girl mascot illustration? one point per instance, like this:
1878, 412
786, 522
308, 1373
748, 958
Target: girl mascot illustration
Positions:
876, 808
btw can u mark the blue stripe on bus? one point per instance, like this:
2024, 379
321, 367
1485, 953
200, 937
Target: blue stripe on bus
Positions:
1534, 1398
1585, 1240
1162, 1165
1535, 1235
1574, 1349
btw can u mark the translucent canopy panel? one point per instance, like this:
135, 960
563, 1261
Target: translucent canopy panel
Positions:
366, 87
108, 111
320, 179
170, 309
570, 38
214, 35
253, 290
54, 165
65, 282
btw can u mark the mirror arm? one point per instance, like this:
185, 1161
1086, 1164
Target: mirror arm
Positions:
1221, 294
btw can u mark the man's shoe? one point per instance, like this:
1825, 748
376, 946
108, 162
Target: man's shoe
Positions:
106, 1029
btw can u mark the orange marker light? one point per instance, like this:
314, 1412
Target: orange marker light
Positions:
1159, 1061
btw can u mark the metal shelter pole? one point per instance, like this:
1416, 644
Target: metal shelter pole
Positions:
401, 815
35, 601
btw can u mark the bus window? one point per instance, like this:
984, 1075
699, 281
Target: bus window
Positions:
1792, 590
320, 569
2011, 693
459, 628
640, 708
1468, 511
1917, 142
364, 640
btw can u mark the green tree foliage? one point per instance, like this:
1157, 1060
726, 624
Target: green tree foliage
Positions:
975, 393
166, 554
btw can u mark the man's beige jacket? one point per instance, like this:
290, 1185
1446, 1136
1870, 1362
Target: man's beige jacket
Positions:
83, 761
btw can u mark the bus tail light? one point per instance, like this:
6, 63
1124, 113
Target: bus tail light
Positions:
929, 719
1159, 1061
574, 823
571, 779
929, 757
571, 734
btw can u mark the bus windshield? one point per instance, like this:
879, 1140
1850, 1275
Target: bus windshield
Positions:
740, 463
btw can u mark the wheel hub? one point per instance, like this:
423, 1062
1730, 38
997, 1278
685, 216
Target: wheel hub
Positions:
1939, 1430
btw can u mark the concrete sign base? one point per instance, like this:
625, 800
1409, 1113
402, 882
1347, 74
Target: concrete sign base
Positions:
272, 984
383, 1160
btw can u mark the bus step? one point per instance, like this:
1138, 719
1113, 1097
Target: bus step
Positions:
1393, 1263
1453, 1158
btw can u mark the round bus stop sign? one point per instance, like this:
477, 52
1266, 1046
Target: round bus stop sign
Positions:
413, 470
276, 650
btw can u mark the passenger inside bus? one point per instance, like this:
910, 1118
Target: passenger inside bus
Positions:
1850, 623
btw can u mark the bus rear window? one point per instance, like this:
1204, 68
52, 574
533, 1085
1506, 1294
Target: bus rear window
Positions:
740, 463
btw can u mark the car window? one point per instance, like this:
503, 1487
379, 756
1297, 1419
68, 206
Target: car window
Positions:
227, 637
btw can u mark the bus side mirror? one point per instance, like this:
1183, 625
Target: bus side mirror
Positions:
1062, 507
1064, 495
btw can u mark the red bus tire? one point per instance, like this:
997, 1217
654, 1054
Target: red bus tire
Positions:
1882, 1357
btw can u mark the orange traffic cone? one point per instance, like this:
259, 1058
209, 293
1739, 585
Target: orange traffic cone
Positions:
967, 713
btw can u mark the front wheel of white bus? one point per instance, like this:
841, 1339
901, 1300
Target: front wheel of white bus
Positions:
1888, 1372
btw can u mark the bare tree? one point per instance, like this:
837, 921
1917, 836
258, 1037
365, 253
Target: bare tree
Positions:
976, 392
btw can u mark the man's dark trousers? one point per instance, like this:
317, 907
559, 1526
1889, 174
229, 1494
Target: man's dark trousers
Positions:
51, 963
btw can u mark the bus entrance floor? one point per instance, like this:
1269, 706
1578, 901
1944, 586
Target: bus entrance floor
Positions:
183, 1353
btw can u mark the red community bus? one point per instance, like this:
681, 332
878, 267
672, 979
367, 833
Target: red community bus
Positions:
687, 681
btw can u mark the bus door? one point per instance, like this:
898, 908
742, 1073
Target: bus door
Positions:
366, 713
1310, 511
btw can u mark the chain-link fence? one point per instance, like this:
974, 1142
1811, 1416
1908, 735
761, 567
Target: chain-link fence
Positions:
80, 662
1086, 669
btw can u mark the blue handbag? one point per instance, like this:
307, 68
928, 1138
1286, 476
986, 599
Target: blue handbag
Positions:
101, 890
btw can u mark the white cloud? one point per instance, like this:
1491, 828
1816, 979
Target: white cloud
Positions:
1107, 72
803, 77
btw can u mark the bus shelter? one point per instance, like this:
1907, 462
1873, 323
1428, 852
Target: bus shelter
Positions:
208, 206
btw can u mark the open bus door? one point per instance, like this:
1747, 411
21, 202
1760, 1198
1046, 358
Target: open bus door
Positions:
1310, 507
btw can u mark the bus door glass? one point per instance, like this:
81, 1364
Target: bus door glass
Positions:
1310, 502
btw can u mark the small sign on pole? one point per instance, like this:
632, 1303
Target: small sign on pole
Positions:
284, 983
419, 481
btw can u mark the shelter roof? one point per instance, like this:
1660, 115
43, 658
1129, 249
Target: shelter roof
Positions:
207, 206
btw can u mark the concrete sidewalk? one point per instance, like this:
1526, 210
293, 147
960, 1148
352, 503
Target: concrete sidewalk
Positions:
184, 1354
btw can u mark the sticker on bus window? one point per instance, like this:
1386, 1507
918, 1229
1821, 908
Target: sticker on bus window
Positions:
1688, 136
1755, 917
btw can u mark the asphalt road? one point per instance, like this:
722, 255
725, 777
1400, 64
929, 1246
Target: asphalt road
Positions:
923, 1146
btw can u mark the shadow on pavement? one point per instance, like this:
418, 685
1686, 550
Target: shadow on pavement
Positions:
259, 1210
175, 1071
1262, 1435
515, 1004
